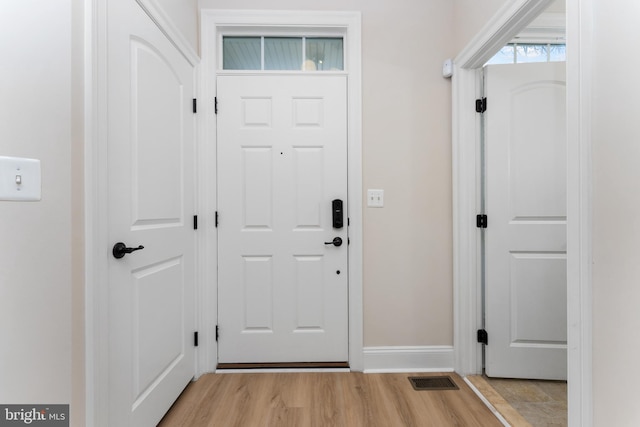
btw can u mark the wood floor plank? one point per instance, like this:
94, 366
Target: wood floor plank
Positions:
322, 400
363, 408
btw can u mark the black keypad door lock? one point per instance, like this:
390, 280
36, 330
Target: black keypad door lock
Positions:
338, 214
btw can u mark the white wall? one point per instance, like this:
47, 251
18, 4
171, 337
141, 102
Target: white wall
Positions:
35, 253
470, 16
616, 214
406, 152
184, 15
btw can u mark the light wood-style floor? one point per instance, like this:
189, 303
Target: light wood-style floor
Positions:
324, 399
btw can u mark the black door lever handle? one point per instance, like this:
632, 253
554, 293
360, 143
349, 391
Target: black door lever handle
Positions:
337, 241
120, 250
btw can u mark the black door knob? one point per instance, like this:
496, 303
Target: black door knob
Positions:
337, 241
120, 250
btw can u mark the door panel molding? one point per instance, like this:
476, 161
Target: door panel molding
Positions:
509, 20
213, 24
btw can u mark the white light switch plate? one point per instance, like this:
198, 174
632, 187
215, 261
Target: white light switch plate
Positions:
20, 179
375, 198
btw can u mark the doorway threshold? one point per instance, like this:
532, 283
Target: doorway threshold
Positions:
505, 412
223, 368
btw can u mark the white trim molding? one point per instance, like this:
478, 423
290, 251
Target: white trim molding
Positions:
408, 359
510, 19
514, 16
173, 33
95, 202
579, 206
213, 24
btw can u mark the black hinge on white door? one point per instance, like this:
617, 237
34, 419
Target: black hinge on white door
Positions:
483, 336
217, 332
195, 339
195, 105
215, 104
216, 219
195, 222
481, 105
482, 221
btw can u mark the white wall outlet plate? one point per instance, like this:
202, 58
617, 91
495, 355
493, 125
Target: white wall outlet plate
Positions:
20, 179
375, 198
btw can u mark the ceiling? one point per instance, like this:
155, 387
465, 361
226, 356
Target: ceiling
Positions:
549, 27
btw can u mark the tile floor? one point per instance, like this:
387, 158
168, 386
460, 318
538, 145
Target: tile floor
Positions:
540, 403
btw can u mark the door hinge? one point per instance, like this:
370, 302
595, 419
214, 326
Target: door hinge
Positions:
195, 222
481, 105
217, 332
215, 104
195, 105
216, 219
195, 339
482, 221
483, 337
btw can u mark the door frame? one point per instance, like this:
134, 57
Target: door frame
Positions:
514, 16
213, 23
96, 242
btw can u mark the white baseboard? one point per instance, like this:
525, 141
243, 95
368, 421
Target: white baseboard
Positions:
408, 359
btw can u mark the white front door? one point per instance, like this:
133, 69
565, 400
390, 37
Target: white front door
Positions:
282, 161
150, 191
526, 259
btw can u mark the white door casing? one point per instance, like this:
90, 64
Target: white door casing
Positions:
509, 21
526, 199
150, 183
282, 160
216, 23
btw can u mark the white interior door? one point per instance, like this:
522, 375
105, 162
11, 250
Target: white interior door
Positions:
282, 160
150, 192
526, 260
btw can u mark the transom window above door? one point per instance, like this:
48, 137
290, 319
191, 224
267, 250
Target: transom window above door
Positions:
519, 53
282, 53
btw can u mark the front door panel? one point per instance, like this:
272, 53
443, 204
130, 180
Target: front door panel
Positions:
282, 160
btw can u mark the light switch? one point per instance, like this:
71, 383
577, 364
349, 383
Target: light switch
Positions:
375, 198
20, 179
